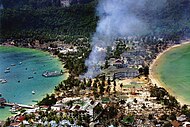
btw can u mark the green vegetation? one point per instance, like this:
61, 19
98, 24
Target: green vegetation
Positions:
37, 3
144, 71
48, 100
53, 22
163, 96
48, 23
128, 119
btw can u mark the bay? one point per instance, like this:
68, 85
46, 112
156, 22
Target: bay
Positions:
174, 71
26, 75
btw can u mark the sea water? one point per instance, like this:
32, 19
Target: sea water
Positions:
174, 72
26, 75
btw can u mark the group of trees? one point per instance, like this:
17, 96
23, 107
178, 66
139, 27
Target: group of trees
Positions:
163, 96
49, 100
29, 3
37, 3
144, 71
51, 115
28, 20
48, 23
99, 85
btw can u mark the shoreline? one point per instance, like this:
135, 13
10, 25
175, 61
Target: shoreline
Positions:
154, 77
61, 67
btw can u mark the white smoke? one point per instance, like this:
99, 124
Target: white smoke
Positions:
118, 18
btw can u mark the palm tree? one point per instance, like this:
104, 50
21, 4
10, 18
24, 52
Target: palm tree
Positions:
101, 87
121, 86
114, 88
109, 82
108, 89
95, 85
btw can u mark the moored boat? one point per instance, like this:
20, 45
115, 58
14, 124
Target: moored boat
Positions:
52, 74
8, 68
30, 77
3, 81
7, 71
1, 106
33, 92
14, 109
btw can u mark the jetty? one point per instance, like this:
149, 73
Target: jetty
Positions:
20, 105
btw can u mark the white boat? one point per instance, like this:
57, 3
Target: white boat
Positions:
14, 109
8, 68
3, 81
20, 63
7, 71
13, 64
33, 92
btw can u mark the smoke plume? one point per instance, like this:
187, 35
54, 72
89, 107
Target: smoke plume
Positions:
119, 18
116, 20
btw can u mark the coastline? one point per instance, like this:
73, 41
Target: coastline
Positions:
66, 74
154, 76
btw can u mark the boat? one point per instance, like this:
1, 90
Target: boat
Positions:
35, 101
14, 109
3, 81
33, 92
1, 106
2, 100
52, 73
13, 64
7, 71
20, 63
30, 77
8, 68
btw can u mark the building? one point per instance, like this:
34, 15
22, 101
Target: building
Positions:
127, 73
119, 64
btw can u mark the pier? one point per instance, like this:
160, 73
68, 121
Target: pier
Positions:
20, 105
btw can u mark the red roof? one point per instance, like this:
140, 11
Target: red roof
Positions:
2, 100
21, 118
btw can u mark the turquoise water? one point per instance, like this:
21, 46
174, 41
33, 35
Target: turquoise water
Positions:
174, 71
34, 63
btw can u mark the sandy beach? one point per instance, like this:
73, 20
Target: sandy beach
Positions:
154, 76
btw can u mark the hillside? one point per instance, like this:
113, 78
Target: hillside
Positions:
48, 22
80, 19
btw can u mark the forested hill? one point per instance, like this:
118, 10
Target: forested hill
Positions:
39, 3
51, 22
80, 19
